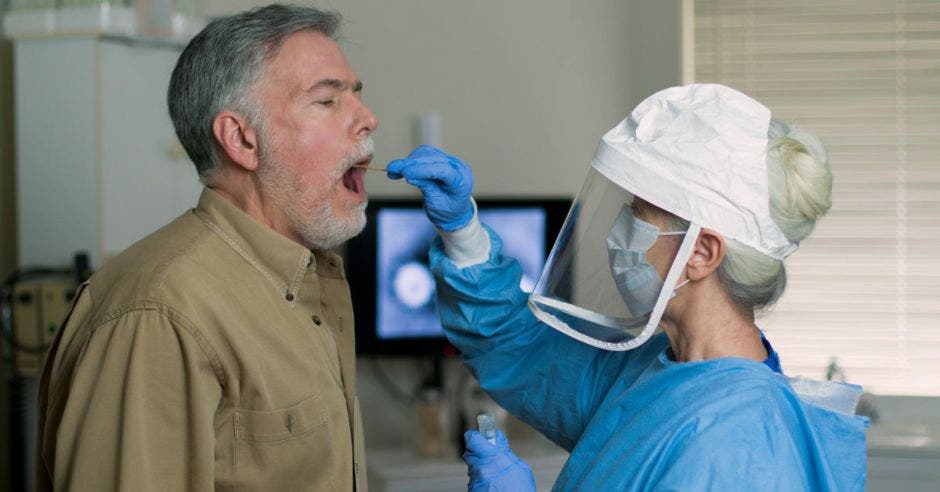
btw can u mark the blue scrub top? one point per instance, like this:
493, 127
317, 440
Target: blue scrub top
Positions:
773, 360
637, 420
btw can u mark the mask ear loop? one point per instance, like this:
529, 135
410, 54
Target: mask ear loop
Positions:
679, 286
678, 266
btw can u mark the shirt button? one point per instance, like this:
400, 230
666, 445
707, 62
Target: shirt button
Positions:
316, 320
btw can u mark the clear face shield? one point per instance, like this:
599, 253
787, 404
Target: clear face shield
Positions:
599, 285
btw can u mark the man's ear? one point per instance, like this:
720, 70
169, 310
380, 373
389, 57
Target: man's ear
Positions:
707, 255
237, 139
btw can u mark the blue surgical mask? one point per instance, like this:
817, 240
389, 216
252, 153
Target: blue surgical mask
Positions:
627, 243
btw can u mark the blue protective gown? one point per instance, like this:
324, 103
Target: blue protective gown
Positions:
638, 420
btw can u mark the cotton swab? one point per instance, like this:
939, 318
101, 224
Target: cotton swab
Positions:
370, 168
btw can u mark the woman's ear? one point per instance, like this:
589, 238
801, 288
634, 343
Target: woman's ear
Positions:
707, 255
237, 139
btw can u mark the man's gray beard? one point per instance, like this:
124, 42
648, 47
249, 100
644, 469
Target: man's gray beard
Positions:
317, 226
329, 231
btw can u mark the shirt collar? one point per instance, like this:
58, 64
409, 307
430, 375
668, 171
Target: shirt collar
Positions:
280, 259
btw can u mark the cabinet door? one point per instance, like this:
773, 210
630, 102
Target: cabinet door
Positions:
146, 181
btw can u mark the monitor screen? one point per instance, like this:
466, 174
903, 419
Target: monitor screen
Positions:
392, 285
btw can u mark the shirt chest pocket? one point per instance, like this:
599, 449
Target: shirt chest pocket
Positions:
285, 449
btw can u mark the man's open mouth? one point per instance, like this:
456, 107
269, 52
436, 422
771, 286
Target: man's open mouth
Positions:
353, 178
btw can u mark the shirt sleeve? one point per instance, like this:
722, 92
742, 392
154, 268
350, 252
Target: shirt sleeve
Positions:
545, 378
137, 410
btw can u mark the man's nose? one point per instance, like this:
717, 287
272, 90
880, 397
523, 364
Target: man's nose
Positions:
368, 122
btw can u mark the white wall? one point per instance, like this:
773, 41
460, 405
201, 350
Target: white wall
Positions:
524, 88
655, 46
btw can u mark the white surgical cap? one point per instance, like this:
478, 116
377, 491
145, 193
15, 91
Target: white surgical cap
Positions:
700, 152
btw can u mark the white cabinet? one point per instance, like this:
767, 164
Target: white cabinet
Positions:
98, 163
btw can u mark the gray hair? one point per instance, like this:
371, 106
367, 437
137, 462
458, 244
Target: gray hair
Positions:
800, 185
220, 67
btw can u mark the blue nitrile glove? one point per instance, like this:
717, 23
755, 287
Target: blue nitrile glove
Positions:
495, 468
445, 181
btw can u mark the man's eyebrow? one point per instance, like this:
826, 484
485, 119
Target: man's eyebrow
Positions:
335, 84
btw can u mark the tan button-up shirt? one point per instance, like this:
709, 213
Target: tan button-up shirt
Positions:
215, 353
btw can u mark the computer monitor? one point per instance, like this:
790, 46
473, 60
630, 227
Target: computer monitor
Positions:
392, 287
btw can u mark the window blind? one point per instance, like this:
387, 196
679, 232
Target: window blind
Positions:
864, 75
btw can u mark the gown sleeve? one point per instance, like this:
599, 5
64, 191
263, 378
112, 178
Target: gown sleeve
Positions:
547, 379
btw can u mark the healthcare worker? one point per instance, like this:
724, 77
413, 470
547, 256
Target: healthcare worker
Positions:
638, 350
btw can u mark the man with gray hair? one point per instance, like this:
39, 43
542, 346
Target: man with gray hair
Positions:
218, 352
